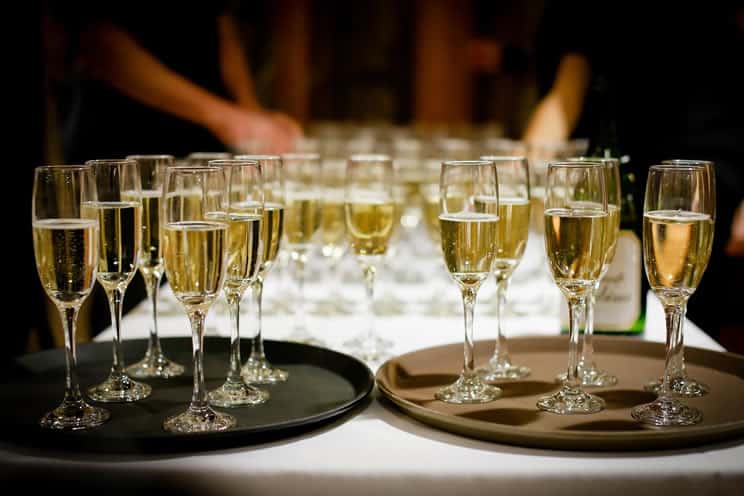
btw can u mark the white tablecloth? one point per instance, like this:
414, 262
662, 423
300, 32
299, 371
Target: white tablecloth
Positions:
379, 450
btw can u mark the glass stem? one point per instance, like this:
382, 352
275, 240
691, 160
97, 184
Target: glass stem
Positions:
152, 286
233, 304
199, 396
369, 284
586, 362
576, 309
678, 362
675, 315
501, 353
468, 303
257, 347
299, 260
115, 297
72, 384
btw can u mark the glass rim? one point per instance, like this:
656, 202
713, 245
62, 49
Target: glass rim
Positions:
601, 160
678, 167
150, 157
231, 162
576, 164
208, 154
301, 156
194, 169
370, 157
110, 161
464, 163
258, 158
62, 167
505, 158
686, 161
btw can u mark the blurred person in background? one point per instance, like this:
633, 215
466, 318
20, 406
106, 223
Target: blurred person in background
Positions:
667, 76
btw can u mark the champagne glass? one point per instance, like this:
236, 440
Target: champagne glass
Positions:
244, 250
678, 221
152, 171
575, 224
257, 368
66, 251
513, 210
116, 202
589, 373
303, 190
370, 218
469, 236
682, 384
195, 250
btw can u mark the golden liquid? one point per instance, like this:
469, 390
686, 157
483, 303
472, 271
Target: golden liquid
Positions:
574, 242
612, 230
302, 220
119, 239
271, 234
514, 228
677, 247
333, 225
151, 256
469, 245
66, 255
369, 226
195, 260
243, 250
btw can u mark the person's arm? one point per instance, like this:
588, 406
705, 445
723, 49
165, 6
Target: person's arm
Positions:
112, 55
237, 77
558, 112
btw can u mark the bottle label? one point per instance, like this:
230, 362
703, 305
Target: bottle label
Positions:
618, 301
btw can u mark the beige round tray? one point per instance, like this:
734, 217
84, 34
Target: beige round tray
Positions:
410, 381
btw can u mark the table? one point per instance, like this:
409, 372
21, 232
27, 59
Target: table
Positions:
379, 450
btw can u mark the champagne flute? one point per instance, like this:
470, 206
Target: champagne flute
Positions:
116, 203
575, 224
513, 210
370, 218
66, 251
303, 190
589, 373
681, 383
678, 221
152, 171
244, 250
469, 244
195, 250
257, 368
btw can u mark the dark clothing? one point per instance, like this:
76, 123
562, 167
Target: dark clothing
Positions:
669, 74
101, 122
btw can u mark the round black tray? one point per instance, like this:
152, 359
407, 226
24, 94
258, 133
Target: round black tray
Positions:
322, 385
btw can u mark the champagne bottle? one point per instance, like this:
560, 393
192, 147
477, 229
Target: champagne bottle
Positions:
621, 300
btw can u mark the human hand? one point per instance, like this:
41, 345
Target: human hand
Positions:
237, 126
735, 245
291, 126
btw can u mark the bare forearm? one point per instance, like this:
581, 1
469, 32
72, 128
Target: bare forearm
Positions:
114, 56
233, 62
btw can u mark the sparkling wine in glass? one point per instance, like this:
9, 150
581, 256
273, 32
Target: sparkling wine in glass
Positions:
66, 252
152, 171
116, 205
678, 224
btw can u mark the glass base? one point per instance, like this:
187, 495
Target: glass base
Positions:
300, 335
237, 393
684, 387
499, 370
155, 366
467, 390
199, 420
119, 389
75, 416
569, 401
593, 377
260, 371
368, 349
667, 413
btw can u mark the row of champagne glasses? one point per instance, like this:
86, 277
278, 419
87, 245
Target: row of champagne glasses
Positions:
580, 230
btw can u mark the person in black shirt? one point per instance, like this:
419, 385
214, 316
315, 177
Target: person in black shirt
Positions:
670, 71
